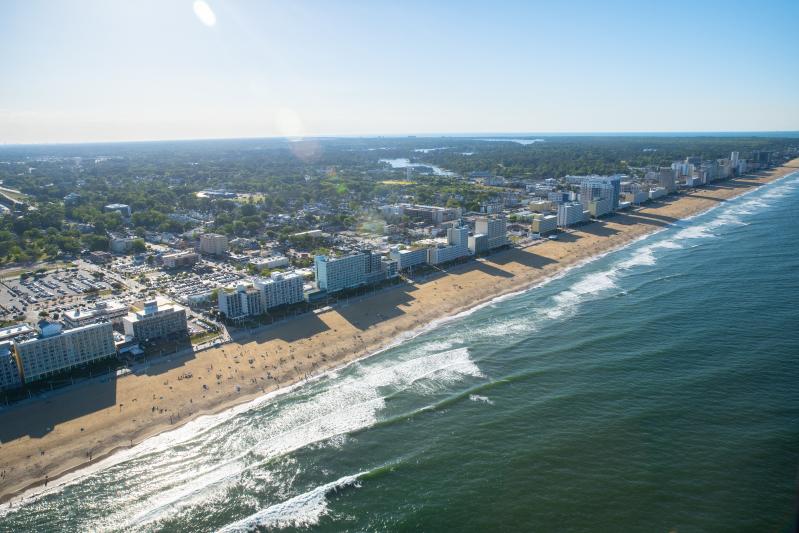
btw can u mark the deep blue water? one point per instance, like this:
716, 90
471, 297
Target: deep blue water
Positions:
654, 389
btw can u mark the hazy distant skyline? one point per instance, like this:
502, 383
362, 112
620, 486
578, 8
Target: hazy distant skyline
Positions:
94, 70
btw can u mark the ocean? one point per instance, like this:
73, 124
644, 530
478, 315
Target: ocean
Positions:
652, 389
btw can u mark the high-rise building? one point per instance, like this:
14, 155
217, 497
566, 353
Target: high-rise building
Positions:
56, 350
457, 246
338, 273
494, 229
666, 179
600, 206
570, 214
158, 319
263, 294
598, 187
213, 244
241, 301
9, 371
280, 288
478, 243
408, 258
544, 223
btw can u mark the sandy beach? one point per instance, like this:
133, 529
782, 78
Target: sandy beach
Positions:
47, 438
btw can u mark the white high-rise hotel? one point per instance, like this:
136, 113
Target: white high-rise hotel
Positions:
264, 294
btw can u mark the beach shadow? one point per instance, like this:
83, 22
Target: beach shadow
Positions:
704, 197
362, 315
523, 257
289, 330
638, 217
599, 228
163, 356
572, 235
37, 417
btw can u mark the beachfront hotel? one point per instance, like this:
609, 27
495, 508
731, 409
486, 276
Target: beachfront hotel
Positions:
280, 288
570, 214
9, 371
56, 350
494, 229
338, 273
160, 318
544, 223
263, 294
457, 246
239, 302
408, 258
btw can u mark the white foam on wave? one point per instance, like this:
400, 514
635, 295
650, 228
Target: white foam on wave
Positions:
167, 484
483, 399
301, 511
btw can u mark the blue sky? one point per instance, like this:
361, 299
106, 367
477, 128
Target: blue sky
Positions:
104, 70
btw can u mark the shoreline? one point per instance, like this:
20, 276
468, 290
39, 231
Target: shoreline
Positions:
417, 308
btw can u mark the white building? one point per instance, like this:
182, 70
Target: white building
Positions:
9, 371
275, 261
213, 244
179, 259
55, 350
570, 214
121, 244
544, 223
657, 192
494, 229
107, 310
408, 258
122, 209
338, 273
280, 289
457, 246
159, 318
241, 301
478, 243
600, 206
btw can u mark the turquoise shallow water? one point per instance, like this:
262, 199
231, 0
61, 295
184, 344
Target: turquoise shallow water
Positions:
654, 389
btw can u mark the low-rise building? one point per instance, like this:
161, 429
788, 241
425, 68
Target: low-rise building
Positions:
159, 318
55, 350
180, 259
275, 261
106, 310
122, 209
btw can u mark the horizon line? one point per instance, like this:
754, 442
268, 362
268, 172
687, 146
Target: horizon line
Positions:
467, 135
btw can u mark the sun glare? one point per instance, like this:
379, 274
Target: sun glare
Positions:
204, 13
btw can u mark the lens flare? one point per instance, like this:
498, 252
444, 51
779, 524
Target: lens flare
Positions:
204, 12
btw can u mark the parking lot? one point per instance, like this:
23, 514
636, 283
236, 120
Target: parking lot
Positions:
52, 291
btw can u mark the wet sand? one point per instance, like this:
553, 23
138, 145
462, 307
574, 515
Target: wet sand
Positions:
63, 432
